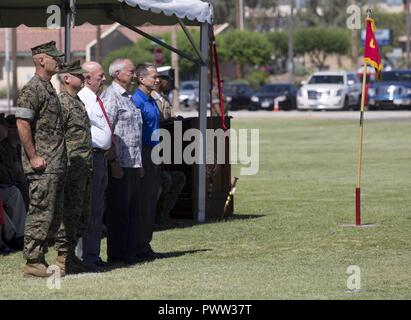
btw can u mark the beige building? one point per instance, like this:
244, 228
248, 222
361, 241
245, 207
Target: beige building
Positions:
83, 42
83, 45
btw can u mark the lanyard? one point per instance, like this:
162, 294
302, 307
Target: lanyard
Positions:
105, 116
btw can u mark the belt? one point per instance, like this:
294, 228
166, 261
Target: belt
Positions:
98, 150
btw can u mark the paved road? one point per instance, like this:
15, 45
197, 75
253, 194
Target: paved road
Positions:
326, 115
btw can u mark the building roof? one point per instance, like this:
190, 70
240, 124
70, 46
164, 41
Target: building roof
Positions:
81, 36
30, 37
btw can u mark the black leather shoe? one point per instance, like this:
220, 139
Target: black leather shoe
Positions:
6, 250
144, 257
100, 263
154, 255
150, 255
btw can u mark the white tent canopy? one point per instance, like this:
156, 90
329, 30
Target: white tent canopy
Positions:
33, 13
193, 10
137, 12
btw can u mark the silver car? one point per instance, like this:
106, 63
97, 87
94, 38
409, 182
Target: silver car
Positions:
330, 90
188, 96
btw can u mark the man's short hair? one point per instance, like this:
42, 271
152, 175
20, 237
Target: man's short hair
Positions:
61, 76
142, 70
116, 65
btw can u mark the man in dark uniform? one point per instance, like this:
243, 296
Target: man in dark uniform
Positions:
40, 125
171, 182
12, 207
77, 191
12, 143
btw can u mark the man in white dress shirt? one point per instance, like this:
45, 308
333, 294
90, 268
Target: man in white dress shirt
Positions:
101, 135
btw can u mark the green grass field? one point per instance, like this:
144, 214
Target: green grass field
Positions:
284, 241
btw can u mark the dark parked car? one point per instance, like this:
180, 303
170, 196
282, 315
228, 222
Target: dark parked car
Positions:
285, 93
392, 92
237, 96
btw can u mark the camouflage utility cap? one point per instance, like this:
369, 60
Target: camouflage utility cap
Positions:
48, 48
72, 67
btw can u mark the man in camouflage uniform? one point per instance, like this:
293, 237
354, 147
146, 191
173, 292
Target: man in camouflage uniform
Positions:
171, 182
77, 191
160, 96
40, 125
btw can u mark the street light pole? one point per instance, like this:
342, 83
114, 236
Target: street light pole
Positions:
175, 66
14, 65
241, 12
7, 64
290, 62
408, 25
98, 44
238, 4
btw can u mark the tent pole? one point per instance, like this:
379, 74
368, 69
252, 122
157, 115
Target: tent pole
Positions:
202, 123
154, 39
190, 38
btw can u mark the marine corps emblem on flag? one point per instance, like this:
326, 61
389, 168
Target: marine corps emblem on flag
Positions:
371, 54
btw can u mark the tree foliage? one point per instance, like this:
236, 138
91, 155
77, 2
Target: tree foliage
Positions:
279, 42
143, 51
392, 21
224, 10
244, 47
319, 42
324, 13
140, 52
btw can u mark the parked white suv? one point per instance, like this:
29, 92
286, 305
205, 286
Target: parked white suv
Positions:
330, 90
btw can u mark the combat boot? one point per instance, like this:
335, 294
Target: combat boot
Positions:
43, 261
36, 268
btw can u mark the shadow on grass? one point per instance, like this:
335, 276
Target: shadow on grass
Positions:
187, 223
164, 255
175, 254
244, 217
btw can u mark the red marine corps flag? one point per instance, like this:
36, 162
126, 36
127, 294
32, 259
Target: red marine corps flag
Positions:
371, 54
371, 57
